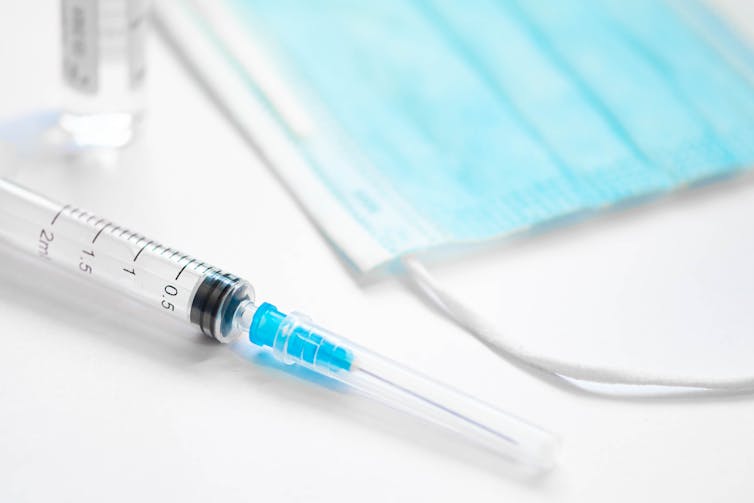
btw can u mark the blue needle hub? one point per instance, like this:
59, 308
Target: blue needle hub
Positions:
295, 340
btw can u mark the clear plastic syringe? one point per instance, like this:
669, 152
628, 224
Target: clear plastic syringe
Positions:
223, 307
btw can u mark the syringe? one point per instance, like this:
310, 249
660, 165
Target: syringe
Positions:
223, 307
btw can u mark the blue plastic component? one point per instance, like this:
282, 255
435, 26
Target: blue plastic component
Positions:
302, 344
265, 325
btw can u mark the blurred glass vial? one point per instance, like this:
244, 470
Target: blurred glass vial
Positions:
104, 69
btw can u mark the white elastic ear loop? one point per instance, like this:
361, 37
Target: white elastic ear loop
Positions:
488, 334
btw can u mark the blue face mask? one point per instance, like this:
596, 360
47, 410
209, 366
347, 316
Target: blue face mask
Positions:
442, 122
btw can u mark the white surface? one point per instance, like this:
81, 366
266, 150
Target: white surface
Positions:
99, 402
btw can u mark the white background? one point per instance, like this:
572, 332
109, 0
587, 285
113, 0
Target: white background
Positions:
101, 401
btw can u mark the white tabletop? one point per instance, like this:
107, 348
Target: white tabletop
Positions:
102, 401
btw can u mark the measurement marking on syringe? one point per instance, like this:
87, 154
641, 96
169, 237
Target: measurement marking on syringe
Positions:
142, 249
100, 231
184, 268
55, 218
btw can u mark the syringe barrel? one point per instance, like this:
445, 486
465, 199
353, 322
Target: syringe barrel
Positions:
100, 251
294, 339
